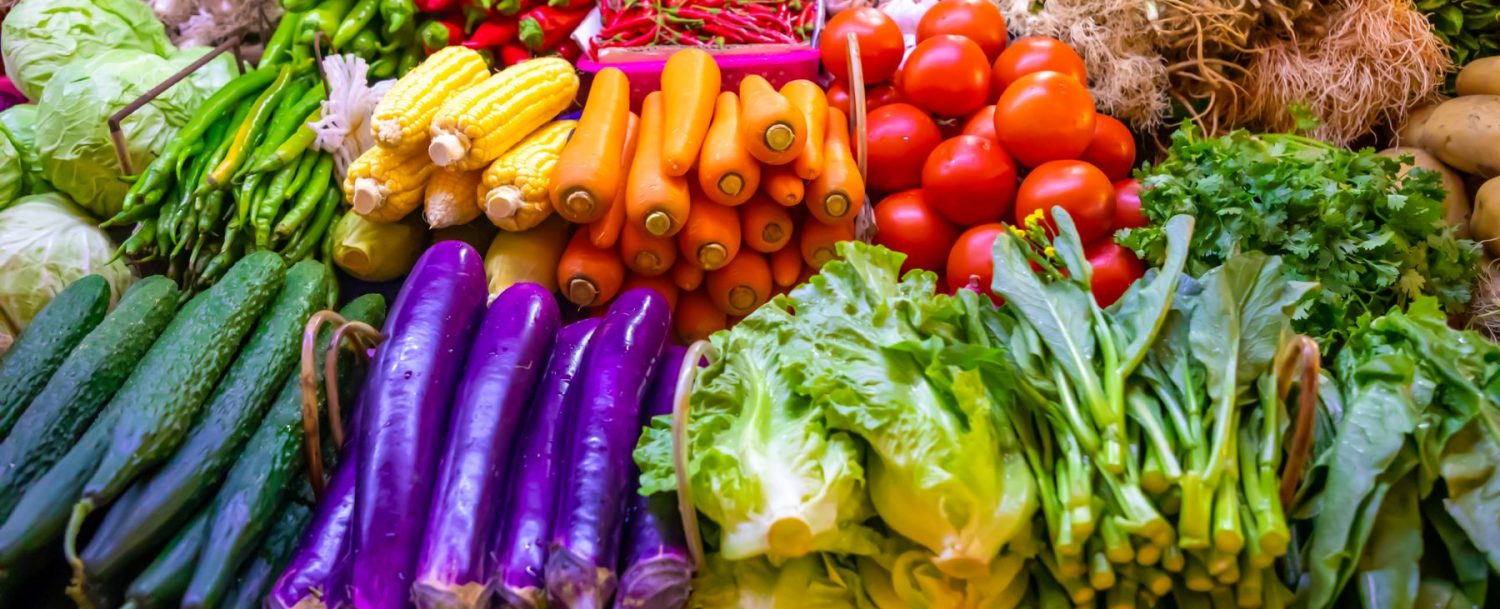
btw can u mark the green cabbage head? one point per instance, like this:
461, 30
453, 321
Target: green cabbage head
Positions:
72, 131
45, 244
18, 126
39, 37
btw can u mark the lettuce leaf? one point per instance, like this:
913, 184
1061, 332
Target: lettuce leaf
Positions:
809, 582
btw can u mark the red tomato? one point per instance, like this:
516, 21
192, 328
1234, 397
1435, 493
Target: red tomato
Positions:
1114, 269
971, 257
977, 20
1112, 149
1035, 54
908, 224
1075, 186
946, 75
1045, 116
838, 96
881, 45
881, 95
982, 123
900, 136
1128, 205
969, 180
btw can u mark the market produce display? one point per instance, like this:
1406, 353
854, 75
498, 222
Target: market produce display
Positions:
1075, 303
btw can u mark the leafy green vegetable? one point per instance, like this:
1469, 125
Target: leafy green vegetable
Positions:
1421, 407
809, 582
39, 37
47, 243
72, 131
18, 124
1466, 27
1340, 218
762, 461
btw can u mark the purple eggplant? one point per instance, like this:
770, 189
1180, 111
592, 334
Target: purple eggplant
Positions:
307, 575
656, 570
595, 480
526, 527
504, 363
404, 408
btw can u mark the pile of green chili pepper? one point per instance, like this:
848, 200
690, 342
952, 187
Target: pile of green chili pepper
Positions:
241, 176
382, 32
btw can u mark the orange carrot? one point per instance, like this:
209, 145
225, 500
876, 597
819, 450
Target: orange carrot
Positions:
770, 126
786, 265
696, 317
742, 285
645, 254
589, 172
687, 275
816, 241
661, 283
689, 82
654, 201
712, 235
589, 275
839, 192
809, 98
767, 226
726, 171
605, 231
782, 185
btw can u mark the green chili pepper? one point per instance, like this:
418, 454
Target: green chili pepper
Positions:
189, 234
327, 205
307, 198
358, 17
305, 165
396, 14
270, 203
293, 147
366, 44
144, 235
298, 5
384, 67
207, 114
279, 46
325, 20
306, 109
213, 211
325, 249
409, 59
244, 137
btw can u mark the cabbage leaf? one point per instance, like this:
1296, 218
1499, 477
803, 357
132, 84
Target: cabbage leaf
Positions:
39, 37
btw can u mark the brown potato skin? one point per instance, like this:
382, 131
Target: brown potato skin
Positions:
1464, 133
1479, 77
1484, 224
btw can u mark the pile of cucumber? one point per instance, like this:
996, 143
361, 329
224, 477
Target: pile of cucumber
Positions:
152, 456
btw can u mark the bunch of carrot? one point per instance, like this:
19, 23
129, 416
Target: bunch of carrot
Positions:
718, 200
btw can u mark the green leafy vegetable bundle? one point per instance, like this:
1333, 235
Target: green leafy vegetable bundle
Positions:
1158, 435
1406, 500
1466, 26
1373, 241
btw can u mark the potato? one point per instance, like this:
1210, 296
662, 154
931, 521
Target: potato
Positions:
1464, 132
1479, 77
1484, 225
1456, 200
1411, 131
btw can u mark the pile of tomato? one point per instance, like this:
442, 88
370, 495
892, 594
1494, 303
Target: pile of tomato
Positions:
968, 133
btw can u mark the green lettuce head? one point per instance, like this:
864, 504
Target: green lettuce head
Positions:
762, 463
903, 577
72, 132
47, 243
909, 372
39, 37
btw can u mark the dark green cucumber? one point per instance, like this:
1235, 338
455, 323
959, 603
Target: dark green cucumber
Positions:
87, 379
256, 578
162, 583
264, 477
147, 418
232, 414
44, 344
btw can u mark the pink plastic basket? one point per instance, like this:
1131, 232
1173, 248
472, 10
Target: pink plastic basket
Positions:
644, 71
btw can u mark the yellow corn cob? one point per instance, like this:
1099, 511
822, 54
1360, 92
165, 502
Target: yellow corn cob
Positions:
385, 184
526, 256
451, 198
478, 125
514, 189
404, 114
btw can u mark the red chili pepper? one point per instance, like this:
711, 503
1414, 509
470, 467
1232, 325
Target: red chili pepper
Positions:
515, 7
513, 53
544, 28
435, 6
493, 33
570, 51
626, 26
438, 34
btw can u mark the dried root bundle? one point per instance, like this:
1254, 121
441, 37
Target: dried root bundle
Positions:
1486, 305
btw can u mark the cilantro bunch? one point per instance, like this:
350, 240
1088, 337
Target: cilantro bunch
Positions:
1372, 241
